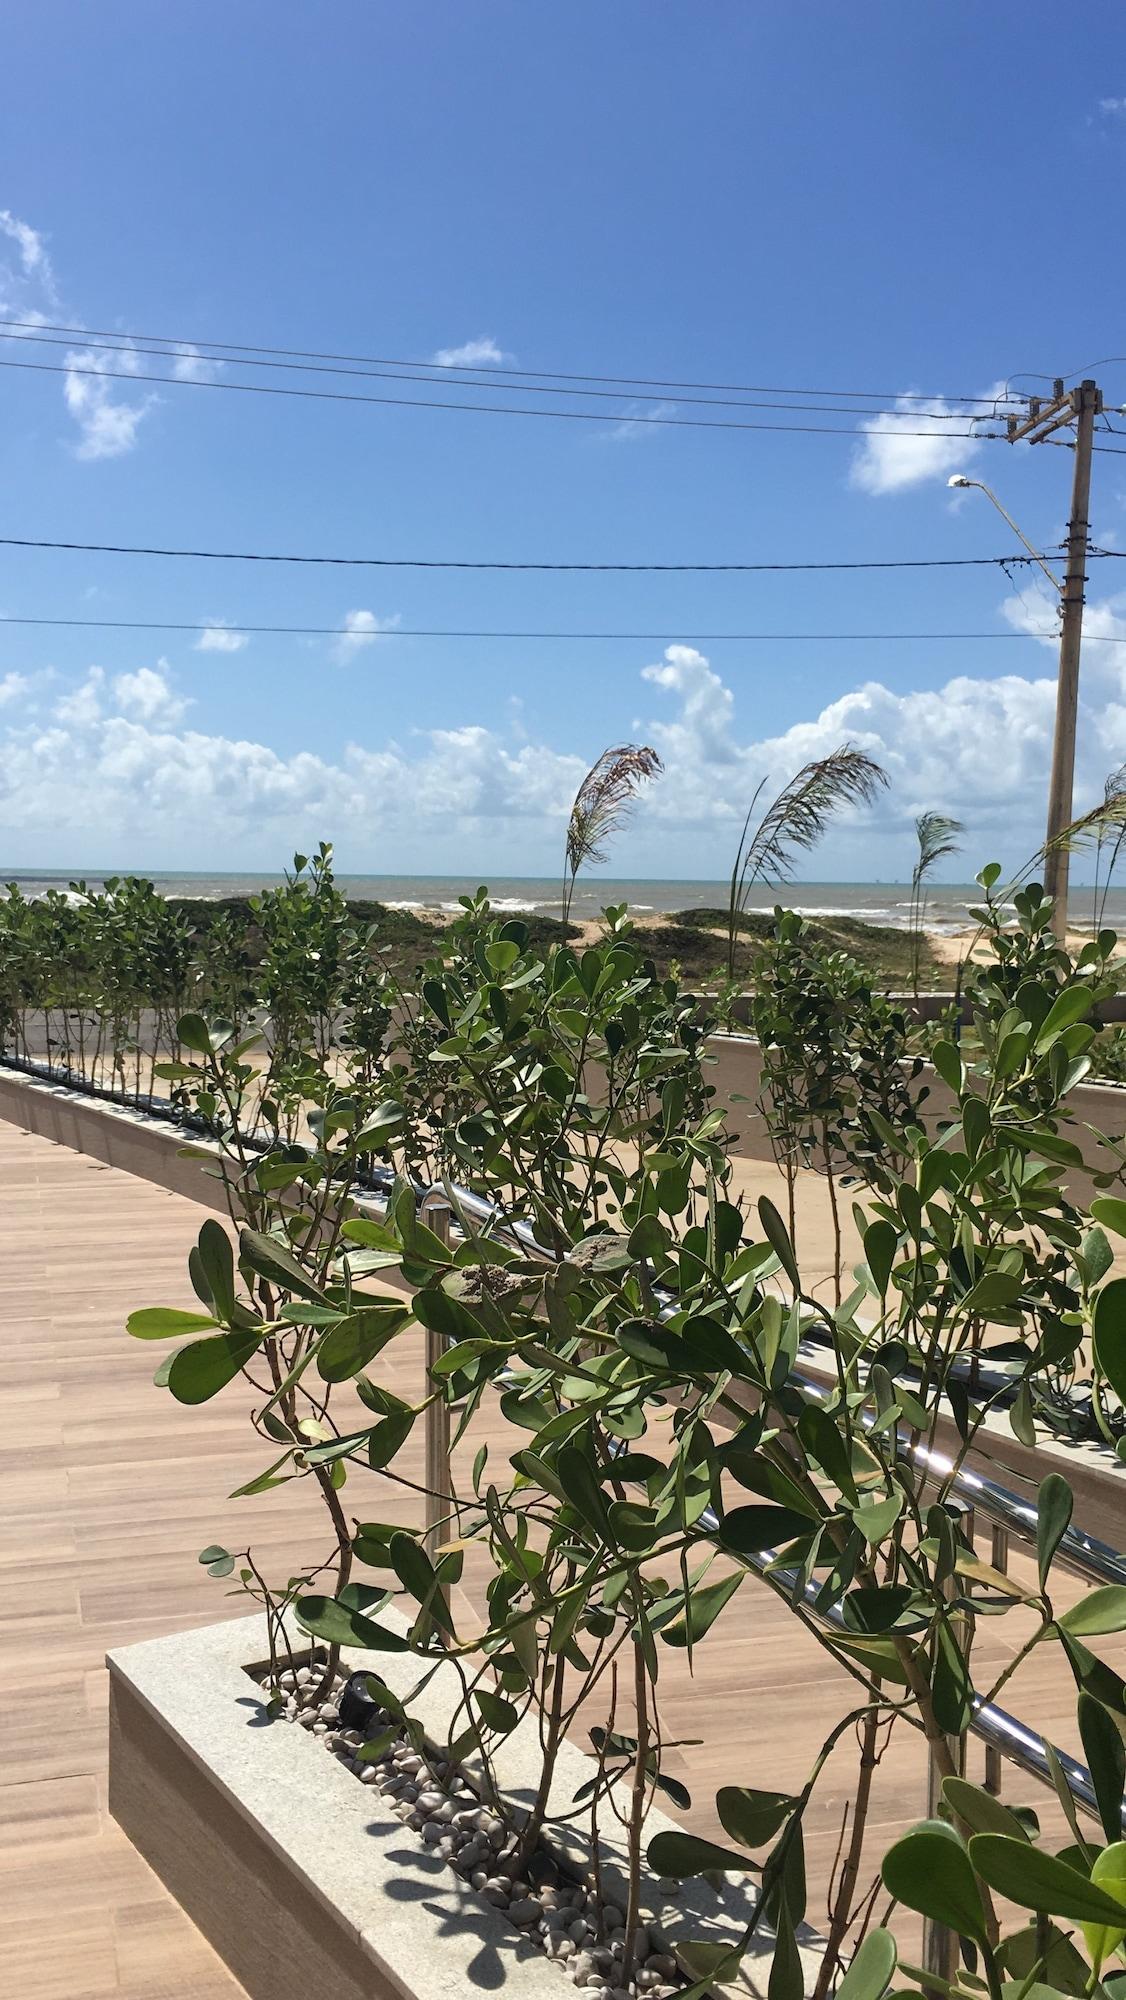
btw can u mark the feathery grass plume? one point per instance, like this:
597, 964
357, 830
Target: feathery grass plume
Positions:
1114, 791
937, 835
602, 803
795, 821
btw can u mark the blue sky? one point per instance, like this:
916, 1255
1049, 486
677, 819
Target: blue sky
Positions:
877, 198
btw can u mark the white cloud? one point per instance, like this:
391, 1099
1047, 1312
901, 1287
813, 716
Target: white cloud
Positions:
481, 353
1113, 107
190, 365
34, 261
911, 443
107, 414
217, 637
82, 707
148, 695
107, 425
117, 766
640, 420
360, 629
13, 687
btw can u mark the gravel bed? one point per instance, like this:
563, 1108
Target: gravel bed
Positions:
561, 1917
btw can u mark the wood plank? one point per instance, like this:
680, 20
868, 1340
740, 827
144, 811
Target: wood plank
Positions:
107, 1492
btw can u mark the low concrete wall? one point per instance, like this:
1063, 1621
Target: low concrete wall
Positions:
149, 1147
735, 1073
300, 1876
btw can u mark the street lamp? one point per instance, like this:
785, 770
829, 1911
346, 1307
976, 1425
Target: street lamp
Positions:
959, 479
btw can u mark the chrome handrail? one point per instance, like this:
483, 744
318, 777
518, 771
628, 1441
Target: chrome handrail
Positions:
1083, 1553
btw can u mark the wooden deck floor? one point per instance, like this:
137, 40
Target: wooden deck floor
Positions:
108, 1490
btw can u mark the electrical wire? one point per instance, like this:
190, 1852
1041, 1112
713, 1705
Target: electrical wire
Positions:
533, 389
444, 368
434, 562
447, 632
632, 418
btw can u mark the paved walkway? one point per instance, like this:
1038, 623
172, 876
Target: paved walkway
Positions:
108, 1490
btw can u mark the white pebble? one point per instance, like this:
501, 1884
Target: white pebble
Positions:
430, 1801
368, 1774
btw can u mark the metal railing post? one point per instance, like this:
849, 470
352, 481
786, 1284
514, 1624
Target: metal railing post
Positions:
435, 1211
999, 1557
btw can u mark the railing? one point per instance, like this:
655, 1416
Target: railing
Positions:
1004, 1735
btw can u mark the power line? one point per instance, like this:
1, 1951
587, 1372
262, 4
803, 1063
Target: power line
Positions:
531, 389
448, 632
488, 409
433, 562
443, 368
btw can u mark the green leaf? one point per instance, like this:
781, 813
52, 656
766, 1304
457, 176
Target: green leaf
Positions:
1072, 1005
948, 1063
981, 1812
273, 1261
387, 1437
386, 1119
880, 1607
1054, 1504
357, 1339
338, 1625
1109, 1329
1108, 1871
371, 1752
1110, 1210
1102, 1610
191, 1030
876, 1518
198, 1371
499, 1715
579, 1481
1106, 1760
786, 1980
749, 1530
166, 1323
681, 1854
881, 1240
951, 1686
212, 1554
1039, 1881
703, 1608
634, 1526
777, 1235
752, 1818
930, 1871
217, 1262
1096, 1255
869, 1975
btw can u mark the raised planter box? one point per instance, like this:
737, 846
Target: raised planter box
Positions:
299, 1875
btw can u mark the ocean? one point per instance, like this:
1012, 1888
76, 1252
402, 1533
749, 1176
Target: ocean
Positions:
872, 902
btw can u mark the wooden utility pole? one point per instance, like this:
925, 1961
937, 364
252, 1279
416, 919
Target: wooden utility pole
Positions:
1079, 406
